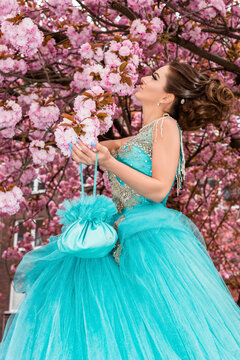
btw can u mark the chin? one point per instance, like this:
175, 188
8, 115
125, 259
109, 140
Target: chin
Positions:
137, 93
136, 99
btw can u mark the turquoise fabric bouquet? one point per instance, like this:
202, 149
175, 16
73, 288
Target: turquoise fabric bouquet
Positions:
88, 220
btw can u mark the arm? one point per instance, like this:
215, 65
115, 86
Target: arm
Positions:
114, 145
165, 155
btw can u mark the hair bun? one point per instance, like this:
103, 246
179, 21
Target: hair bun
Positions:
208, 100
216, 91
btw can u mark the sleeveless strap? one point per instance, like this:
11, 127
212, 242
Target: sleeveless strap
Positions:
180, 175
95, 178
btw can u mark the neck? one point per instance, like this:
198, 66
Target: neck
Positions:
149, 116
152, 118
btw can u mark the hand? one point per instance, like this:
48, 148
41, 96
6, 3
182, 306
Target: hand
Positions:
82, 154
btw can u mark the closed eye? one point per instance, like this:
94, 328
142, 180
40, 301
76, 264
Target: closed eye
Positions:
154, 76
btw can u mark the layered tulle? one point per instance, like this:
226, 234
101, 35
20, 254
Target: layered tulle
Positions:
165, 299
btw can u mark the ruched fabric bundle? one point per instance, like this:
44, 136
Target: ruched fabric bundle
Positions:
88, 230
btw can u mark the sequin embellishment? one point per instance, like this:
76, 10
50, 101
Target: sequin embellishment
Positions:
137, 153
116, 251
123, 195
135, 150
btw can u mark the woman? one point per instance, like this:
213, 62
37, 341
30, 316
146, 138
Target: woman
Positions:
158, 295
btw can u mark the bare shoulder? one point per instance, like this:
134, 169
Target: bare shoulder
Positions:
166, 129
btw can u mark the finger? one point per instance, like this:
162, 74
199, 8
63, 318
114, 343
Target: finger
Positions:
84, 148
88, 154
80, 151
76, 157
82, 157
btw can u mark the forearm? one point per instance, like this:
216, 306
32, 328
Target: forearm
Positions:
113, 145
143, 184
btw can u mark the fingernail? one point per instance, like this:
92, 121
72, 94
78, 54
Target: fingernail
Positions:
70, 144
93, 143
77, 140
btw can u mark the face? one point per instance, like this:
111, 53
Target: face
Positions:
151, 91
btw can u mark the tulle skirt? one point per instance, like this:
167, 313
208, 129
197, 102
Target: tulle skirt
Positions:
164, 300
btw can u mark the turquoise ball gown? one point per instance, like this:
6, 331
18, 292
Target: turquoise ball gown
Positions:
156, 295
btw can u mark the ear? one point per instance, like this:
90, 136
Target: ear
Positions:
168, 98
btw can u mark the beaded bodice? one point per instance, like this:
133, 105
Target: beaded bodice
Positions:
137, 153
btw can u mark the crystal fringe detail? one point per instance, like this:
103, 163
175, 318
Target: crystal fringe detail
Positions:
162, 117
181, 165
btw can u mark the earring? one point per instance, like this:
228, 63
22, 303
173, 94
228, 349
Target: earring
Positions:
159, 103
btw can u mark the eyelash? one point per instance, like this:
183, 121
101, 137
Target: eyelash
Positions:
154, 76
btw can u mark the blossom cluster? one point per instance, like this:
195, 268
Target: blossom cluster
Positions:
10, 115
119, 75
93, 112
64, 134
96, 107
59, 7
8, 64
122, 59
43, 114
140, 5
8, 8
10, 200
78, 36
24, 36
41, 153
209, 8
147, 31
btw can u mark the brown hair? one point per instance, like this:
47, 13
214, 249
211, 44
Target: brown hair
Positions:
207, 99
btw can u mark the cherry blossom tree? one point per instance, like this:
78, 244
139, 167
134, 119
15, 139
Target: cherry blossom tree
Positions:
70, 68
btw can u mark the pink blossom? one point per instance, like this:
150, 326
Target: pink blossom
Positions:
25, 37
59, 7
97, 90
124, 51
10, 64
86, 51
10, 115
140, 5
114, 78
10, 201
115, 46
91, 127
8, 8
89, 105
28, 175
195, 33
43, 116
65, 135
41, 153
78, 38
139, 29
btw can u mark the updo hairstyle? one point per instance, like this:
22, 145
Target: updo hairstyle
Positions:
207, 99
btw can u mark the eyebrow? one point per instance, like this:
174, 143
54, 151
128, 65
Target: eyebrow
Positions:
156, 74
